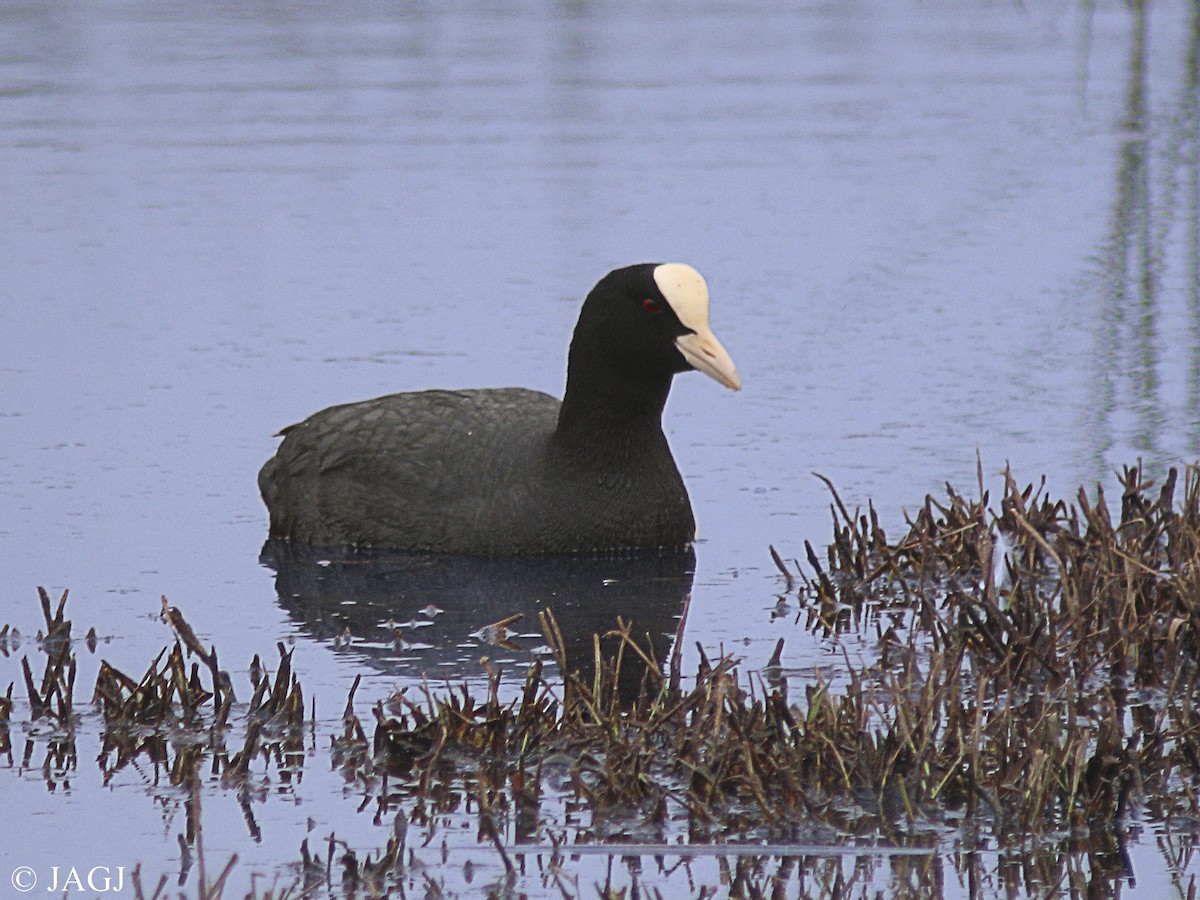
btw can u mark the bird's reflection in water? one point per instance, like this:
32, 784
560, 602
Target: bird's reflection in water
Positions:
420, 615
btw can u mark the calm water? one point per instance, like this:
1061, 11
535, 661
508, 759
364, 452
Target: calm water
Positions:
930, 229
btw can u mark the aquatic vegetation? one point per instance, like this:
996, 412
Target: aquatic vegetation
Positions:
1031, 686
1039, 668
1035, 676
1021, 700
168, 719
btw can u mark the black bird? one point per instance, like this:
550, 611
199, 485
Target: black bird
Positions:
509, 471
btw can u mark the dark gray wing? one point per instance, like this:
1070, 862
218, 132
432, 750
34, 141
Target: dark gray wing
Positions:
423, 470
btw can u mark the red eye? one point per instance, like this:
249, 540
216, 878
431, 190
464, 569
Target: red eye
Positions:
651, 305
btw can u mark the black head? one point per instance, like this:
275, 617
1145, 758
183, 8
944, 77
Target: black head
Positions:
642, 324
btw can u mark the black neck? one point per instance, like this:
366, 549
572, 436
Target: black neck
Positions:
619, 372
598, 412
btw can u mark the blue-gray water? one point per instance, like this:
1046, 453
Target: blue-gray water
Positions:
930, 230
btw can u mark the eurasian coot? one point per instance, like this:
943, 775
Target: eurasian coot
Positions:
510, 471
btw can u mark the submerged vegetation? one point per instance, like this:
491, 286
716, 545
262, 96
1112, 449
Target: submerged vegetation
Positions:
1030, 688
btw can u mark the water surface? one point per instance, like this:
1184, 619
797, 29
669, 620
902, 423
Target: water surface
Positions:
930, 230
